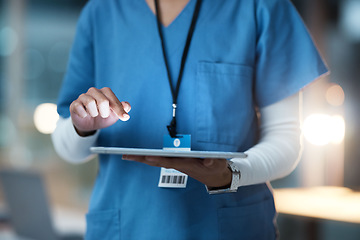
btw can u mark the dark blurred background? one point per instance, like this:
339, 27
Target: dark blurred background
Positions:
35, 40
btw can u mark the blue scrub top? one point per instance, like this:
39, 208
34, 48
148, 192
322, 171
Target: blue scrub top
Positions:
244, 54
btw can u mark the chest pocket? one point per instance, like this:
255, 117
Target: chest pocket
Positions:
224, 103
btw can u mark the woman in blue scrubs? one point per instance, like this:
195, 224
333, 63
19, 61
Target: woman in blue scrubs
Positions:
240, 66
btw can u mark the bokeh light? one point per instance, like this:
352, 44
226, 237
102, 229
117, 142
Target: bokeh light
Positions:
321, 129
338, 129
350, 19
335, 95
45, 117
7, 130
8, 41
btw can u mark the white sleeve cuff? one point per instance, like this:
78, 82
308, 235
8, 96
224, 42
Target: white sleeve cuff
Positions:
69, 145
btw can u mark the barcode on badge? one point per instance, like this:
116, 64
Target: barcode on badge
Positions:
173, 179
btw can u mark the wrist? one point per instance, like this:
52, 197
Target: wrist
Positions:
224, 182
84, 133
234, 184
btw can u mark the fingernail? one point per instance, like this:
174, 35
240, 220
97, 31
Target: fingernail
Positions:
92, 109
104, 109
125, 117
81, 111
127, 108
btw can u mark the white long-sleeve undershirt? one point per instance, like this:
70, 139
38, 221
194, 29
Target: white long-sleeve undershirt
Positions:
280, 146
69, 145
275, 156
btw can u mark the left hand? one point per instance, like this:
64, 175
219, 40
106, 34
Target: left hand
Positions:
209, 171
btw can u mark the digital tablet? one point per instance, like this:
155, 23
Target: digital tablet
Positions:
166, 153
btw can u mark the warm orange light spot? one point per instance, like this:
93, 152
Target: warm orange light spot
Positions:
335, 95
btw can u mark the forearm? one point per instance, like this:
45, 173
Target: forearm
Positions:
69, 145
278, 151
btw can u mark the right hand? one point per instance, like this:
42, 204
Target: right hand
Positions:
96, 109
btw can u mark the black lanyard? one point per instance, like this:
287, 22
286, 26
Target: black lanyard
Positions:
172, 127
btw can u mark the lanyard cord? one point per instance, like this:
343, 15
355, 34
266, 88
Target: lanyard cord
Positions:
172, 127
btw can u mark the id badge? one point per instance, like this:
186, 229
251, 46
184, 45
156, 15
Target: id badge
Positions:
171, 178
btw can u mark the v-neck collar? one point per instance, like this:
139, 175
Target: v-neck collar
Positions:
175, 21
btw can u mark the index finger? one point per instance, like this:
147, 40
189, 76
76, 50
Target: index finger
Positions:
115, 104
